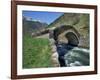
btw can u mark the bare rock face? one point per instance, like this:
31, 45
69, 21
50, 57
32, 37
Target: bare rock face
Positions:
54, 56
55, 59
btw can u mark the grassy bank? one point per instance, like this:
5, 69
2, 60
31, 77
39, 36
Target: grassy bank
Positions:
36, 52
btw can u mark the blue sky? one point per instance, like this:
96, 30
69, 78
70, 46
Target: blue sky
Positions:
46, 17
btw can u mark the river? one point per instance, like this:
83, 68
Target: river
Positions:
72, 55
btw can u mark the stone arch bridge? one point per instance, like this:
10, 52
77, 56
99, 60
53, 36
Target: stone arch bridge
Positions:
66, 34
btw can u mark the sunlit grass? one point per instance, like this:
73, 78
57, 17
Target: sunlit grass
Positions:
36, 52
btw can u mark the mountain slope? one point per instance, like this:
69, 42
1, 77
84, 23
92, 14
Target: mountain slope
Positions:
30, 26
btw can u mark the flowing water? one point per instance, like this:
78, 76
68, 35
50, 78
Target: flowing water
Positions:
72, 55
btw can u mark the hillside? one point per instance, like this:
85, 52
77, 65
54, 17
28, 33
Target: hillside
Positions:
30, 26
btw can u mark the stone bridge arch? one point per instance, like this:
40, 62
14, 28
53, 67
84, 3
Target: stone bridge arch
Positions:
66, 34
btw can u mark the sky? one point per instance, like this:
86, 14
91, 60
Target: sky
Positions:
45, 17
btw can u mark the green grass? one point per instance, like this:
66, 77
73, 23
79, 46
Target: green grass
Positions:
36, 52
